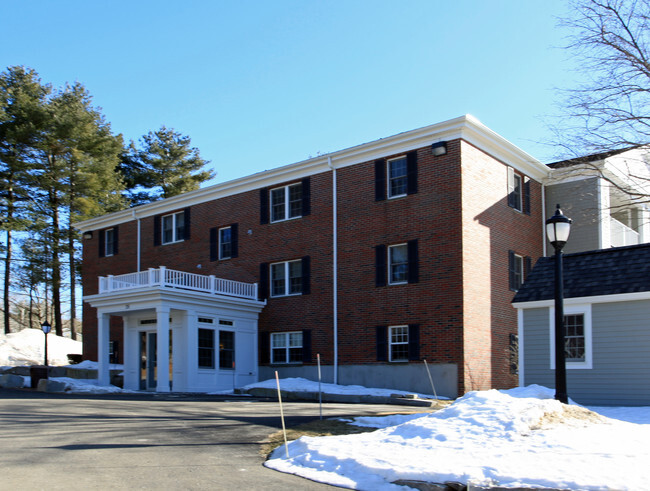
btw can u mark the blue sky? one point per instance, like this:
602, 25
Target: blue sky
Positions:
258, 84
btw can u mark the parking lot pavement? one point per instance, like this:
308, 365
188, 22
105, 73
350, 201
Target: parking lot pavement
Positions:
147, 441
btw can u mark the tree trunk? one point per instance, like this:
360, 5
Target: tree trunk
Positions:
7, 283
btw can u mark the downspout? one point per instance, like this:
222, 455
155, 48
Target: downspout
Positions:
335, 306
544, 219
137, 247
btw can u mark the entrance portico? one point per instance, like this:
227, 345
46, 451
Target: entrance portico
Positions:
204, 330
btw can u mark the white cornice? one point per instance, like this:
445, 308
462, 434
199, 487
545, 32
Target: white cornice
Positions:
466, 127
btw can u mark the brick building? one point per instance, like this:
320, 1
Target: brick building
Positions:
375, 258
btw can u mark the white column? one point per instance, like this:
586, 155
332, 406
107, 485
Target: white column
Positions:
162, 349
103, 337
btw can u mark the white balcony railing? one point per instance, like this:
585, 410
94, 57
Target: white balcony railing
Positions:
621, 234
177, 279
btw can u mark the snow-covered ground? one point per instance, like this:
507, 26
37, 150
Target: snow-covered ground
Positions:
515, 438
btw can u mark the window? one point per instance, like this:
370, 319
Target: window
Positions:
108, 239
574, 337
286, 278
109, 242
518, 268
206, 348
226, 349
173, 228
518, 191
397, 177
577, 337
398, 263
286, 347
286, 202
399, 343
225, 243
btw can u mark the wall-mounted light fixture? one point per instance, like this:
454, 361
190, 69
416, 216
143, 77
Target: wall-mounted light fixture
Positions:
87, 235
439, 148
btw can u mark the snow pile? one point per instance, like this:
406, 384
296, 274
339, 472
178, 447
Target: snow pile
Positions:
504, 438
27, 347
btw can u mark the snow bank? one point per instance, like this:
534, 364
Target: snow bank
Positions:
27, 347
504, 438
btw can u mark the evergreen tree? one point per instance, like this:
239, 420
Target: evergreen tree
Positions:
165, 166
22, 115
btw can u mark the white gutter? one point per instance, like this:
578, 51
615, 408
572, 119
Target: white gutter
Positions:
544, 219
137, 248
334, 272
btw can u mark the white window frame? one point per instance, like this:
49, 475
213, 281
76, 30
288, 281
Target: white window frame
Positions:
175, 234
391, 343
109, 251
220, 349
519, 188
213, 348
390, 179
390, 264
285, 191
286, 338
222, 243
585, 310
286, 268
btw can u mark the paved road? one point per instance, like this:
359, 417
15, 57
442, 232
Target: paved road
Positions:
146, 441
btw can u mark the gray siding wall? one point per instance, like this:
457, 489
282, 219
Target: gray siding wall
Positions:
621, 355
579, 201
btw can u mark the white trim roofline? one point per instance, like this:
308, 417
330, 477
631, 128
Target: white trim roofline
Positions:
618, 297
466, 127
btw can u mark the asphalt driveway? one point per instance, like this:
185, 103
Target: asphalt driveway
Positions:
147, 441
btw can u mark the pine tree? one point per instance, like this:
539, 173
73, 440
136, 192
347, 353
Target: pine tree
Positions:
165, 166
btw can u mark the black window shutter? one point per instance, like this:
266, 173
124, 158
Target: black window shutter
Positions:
412, 172
306, 345
187, 224
214, 244
380, 180
234, 240
102, 243
380, 265
414, 342
264, 206
157, 230
306, 275
263, 287
512, 281
414, 261
116, 240
527, 196
512, 197
265, 347
306, 197
381, 335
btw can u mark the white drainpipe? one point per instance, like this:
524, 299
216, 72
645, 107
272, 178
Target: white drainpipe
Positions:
137, 242
334, 272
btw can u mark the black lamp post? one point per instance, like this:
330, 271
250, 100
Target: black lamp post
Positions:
46, 329
557, 231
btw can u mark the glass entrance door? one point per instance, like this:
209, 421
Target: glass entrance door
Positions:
148, 361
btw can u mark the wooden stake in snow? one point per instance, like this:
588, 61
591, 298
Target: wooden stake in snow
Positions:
430, 379
284, 430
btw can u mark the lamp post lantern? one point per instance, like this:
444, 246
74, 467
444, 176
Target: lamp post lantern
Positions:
46, 329
557, 231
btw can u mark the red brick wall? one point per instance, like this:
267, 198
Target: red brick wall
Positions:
464, 229
490, 229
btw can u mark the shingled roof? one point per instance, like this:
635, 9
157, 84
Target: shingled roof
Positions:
586, 274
